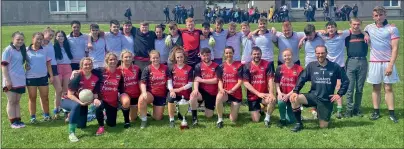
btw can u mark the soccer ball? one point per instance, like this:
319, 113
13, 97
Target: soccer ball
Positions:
86, 95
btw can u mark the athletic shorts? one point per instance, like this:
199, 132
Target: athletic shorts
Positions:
65, 71
324, 108
55, 71
75, 66
210, 100
20, 90
233, 99
177, 98
376, 73
134, 101
42, 81
254, 105
159, 101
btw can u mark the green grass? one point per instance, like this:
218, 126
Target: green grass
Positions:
353, 132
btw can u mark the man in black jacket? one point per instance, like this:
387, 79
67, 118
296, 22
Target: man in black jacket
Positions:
323, 75
144, 43
128, 13
355, 11
167, 14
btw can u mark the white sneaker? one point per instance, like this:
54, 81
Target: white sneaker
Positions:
73, 138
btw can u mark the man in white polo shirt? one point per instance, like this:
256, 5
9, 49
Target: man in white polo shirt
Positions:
383, 54
288, 39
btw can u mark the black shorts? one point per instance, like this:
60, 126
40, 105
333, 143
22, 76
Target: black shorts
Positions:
210, 100
134, 101
75, 66
233, 99
42, 81
254, 105
172, 100
324, 108
159, 101
54, 70
20, 90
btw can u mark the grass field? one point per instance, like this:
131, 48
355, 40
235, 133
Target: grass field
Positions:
344, 133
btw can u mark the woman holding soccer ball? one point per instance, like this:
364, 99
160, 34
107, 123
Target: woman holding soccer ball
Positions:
78, 107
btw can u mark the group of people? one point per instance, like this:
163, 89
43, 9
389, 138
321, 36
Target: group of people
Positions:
341, 13
129, 68
180, 13
250, 15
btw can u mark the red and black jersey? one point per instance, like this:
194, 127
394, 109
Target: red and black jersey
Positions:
111, 85
131, 78
191, 42
156, 80
207, 72
181, 77
287, 77
80, 82
230, 74
258, 76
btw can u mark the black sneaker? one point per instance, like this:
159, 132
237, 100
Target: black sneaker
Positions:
357, 113
267, 124
172, 124
126, 125
219, 125
348, 113
338, 115
298, 127
194, 122
393, 118
374, 116
282, 123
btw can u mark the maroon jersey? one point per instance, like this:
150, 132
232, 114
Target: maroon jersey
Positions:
156, 80
80, 82
131, 78
287, 78
230, 74
112, 81
258, 76
181, 77
207, 72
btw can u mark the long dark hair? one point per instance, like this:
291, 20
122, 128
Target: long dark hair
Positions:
22, 48
58, 49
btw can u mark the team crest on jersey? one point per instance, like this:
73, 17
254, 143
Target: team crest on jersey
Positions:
118, 77
331, 73
262, 68
186, 72
294, 73
316, 73
213, 69
92, 83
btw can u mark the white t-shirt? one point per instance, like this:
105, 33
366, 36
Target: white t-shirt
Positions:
13, 59
98, 51
291, 43
380, 41
336, 47
114, 43
265, 43
37, 62
220, 40
78, 46
235, 42
51, 52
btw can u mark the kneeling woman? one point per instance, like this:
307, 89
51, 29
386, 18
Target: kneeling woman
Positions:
131, 89
153, 86
181, 82
110, 87
230, 79
78, 110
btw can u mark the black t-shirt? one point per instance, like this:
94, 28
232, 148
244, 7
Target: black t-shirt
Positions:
356, 46
143, 43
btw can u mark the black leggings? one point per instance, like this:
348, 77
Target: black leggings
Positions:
110, 111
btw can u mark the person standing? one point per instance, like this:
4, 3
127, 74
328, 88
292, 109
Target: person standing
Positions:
356, 67
128, 13
323, 75
326, 10
311, 41
383, 55
78, 44
166, 12
143, 44
355, 10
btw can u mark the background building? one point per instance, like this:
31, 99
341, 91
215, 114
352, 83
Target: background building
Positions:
62, 11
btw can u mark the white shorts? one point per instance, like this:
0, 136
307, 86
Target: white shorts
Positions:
377, 71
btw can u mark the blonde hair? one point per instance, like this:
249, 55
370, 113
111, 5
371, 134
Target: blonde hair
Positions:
48, 30
154, 52
379, 10
189, 20
287, 50
125, 51
245, 23
177, 49
353, 19
86, 59
232, 24
107, 56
